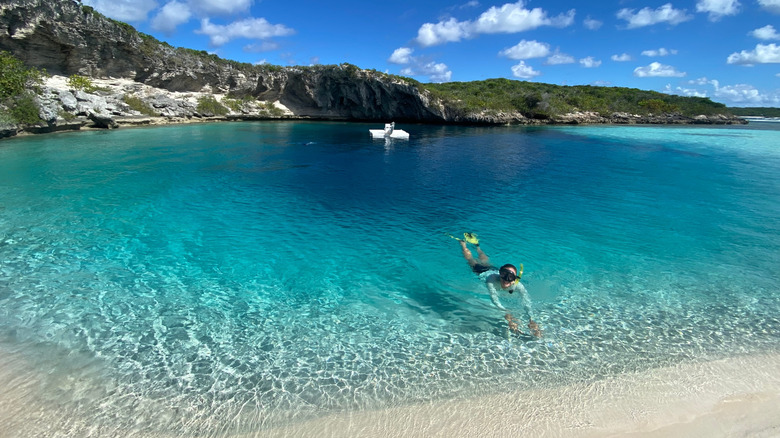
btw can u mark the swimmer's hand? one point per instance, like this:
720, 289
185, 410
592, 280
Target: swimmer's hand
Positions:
534, 327
512, 323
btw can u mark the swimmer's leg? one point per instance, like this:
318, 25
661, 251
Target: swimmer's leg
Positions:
483, 258
467, 254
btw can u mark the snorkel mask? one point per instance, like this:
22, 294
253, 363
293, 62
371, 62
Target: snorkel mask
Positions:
508, 276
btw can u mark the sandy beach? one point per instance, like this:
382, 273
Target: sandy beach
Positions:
738, 397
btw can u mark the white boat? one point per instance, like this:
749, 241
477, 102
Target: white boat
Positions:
389, 132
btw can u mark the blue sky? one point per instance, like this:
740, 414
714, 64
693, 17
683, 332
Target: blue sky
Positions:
727, 50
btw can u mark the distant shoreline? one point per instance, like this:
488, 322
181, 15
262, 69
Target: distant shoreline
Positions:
106, 106
83, 124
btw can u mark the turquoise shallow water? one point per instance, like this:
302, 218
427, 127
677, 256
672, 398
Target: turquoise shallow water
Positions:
210, 279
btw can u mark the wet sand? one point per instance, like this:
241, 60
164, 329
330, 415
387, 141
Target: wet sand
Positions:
737, 397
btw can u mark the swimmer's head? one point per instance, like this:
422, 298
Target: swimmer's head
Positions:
508, 275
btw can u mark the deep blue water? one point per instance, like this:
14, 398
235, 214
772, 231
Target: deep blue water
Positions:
223, 277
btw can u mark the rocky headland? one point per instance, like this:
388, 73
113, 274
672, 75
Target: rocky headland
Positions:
136, 79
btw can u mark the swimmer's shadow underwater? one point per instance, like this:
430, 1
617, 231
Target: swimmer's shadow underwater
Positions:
464, 312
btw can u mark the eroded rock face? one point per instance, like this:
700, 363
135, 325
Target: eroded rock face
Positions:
350, 93
65, 38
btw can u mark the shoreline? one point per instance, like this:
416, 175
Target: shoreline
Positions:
732, 397
63, 108
122, 123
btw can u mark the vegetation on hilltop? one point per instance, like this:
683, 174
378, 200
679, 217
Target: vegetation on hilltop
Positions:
538, 100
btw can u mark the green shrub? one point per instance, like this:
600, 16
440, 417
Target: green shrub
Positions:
18, 85
272, 109
658, 106
541, 100
270, 68
137, 104
79, 82
24, 109
5, 117
237, 104
15, 77
66, 115
208, 105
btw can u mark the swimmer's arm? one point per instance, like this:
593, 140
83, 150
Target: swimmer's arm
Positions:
494, 296
526, 300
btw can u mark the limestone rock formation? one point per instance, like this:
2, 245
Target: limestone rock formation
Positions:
65, 38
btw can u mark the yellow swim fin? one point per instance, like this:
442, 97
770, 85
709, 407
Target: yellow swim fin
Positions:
471, 238
448, 234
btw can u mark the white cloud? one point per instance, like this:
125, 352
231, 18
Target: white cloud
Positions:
251, 28
648, 17
448, 31
418, 66
171, 16
513, 17
437, 72
762, 54
767, 32
660, 52
623, 57
746, 94
560, 58
589, 62
703, 81
656, 69
733, 95
509, 18
591, 23
220, 7
718, 9
265, 46
691, 92
524, 71
123, 10
772, 6
401, 55
526, 50
563, 20
177, 12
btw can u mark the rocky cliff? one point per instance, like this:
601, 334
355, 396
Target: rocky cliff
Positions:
65, 38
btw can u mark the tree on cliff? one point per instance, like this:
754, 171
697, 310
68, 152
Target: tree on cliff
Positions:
17, 86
